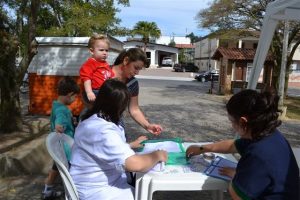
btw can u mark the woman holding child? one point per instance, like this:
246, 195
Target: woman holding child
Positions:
128, 64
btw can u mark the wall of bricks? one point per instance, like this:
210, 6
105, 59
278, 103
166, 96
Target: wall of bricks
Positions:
42, 92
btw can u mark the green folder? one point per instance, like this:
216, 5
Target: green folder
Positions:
174, 158
177, 158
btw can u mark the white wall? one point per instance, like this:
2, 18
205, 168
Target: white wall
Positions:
154, 49
205, 49
297, 53
178, 40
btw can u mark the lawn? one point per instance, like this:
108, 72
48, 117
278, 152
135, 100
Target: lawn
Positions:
293, 107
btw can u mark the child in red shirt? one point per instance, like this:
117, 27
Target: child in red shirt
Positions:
95, 70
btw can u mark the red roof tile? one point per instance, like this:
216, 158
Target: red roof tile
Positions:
237, 54
184, 46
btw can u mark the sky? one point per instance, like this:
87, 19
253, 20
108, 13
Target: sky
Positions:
173, 17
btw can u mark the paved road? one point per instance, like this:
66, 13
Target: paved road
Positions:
183, 108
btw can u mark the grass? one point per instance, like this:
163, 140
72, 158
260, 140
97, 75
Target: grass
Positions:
293, 107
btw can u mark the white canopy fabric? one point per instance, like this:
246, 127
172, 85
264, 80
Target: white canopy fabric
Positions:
276, 11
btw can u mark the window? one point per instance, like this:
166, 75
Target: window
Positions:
249, 69
295, 67
298, 67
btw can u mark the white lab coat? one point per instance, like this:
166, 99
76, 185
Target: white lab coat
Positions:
98, 159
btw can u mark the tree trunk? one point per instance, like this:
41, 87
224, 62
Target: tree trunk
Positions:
10, 109
11, 75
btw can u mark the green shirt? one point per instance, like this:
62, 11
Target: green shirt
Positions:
62, 115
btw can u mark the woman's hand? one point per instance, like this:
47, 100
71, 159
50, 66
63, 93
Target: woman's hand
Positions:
227, 171
137, 143
155, 129
161, 155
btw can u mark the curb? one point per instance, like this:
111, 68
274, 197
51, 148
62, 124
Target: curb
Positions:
164, 78
24, 160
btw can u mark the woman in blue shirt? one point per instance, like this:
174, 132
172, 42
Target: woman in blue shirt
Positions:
267, 168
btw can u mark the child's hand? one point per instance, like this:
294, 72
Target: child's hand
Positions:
227, 171
192, 151
91, 96
155, 129
59, 128
137, 143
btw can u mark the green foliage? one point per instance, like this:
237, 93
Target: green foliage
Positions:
182, 57
172, 43
192, 37
81, 18
146, 30
233, 14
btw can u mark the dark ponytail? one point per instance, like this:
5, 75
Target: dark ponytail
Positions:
133, 54
111, 101
260, 109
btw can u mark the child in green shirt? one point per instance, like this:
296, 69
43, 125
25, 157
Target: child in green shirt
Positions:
61, 121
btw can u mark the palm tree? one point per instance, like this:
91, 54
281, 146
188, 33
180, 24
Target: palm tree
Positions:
147, 30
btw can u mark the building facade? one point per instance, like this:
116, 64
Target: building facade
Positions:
234, 56
155, 52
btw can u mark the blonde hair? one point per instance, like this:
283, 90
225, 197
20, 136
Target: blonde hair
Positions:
96, 37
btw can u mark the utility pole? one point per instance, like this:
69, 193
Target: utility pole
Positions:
283, 63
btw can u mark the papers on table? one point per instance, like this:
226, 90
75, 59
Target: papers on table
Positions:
216, 164
176, 153
169, 146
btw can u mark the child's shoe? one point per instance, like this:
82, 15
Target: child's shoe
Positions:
51, 194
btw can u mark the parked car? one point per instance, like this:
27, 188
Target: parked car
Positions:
167, 61
185, 67
207, 76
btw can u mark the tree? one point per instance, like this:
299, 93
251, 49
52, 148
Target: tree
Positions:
248, 14
22, 21
146, 30
172, 43
9, 98
192, 37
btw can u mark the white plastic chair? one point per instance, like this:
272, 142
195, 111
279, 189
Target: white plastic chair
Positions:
55, 146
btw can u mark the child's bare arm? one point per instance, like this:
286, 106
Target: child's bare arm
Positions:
137, 143
88, 89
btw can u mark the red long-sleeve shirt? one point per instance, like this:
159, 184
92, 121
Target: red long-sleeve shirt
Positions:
96, 71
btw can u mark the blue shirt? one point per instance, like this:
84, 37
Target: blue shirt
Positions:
133, 86
267, 169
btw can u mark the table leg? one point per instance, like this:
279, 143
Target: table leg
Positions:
217, 195
142, 187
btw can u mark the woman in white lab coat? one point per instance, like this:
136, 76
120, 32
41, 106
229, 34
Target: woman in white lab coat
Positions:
100, 155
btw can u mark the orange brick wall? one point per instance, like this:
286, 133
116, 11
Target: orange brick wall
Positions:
42, 92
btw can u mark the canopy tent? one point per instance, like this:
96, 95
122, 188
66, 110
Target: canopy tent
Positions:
276, 11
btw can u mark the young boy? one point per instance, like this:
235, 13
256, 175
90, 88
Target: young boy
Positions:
95, 70
61, 121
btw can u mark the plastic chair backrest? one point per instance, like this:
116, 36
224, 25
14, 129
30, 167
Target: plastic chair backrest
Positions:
56, 144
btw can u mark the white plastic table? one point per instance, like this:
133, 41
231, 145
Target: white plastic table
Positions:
176, 178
